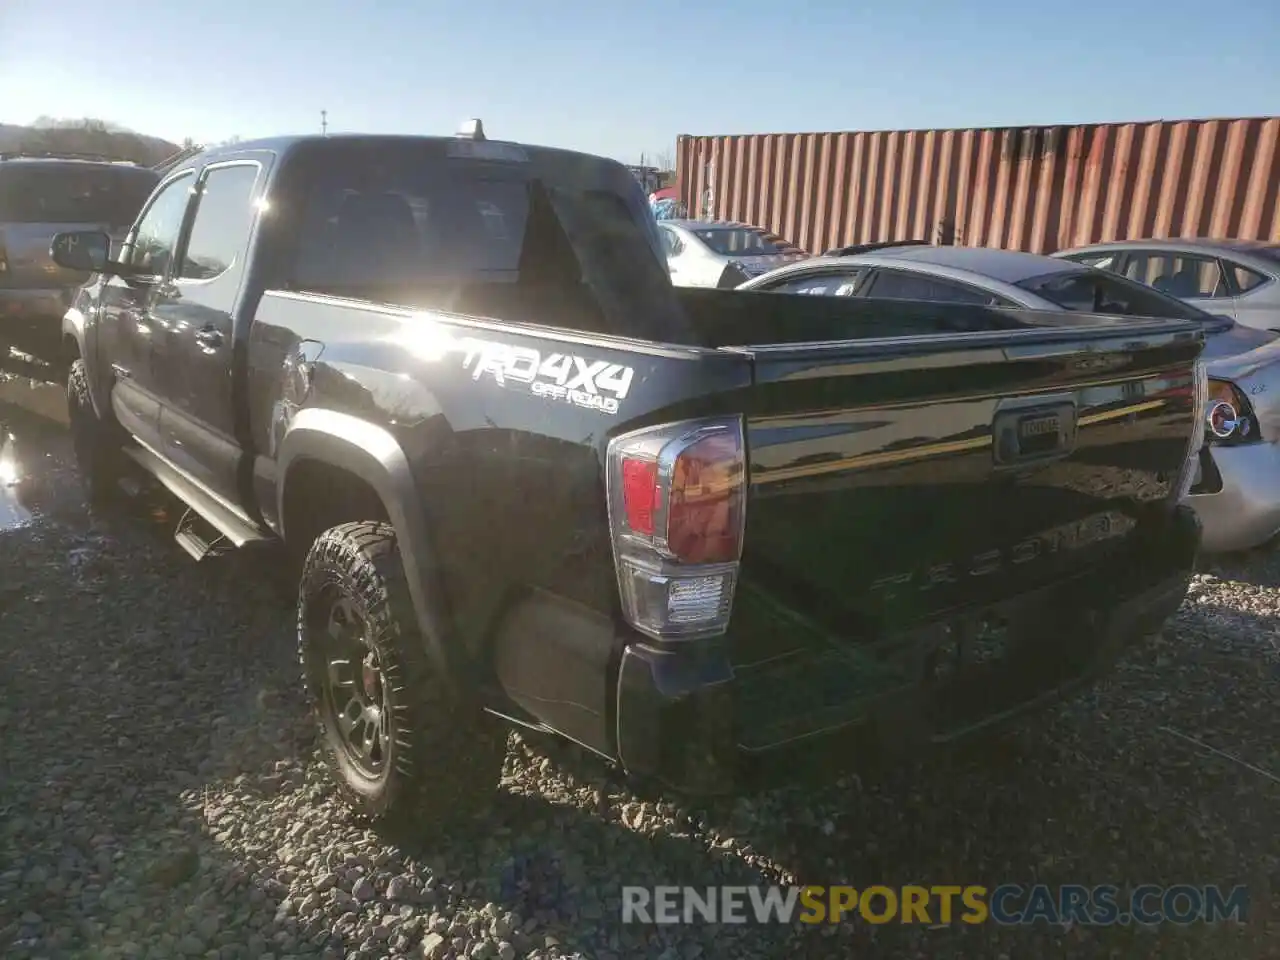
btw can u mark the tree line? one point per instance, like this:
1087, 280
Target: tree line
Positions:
96, 137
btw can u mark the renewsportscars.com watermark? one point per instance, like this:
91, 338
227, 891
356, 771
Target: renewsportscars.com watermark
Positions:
1008, 904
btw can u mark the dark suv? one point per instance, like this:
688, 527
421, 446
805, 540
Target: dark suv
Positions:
41, 195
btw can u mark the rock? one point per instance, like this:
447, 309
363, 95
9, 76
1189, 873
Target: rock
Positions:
171, 869
363, 890
434, 946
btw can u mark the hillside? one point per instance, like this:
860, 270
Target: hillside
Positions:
86, 136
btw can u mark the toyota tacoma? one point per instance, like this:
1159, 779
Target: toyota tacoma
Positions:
525, 479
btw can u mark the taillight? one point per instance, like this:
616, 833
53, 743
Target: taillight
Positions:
1229, 419
677, 507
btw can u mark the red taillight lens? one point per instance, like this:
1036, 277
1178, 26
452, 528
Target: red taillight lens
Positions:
677, 505
704, 515
639, 491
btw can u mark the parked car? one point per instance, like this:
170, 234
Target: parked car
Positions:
1236, 278
522, 475
713, 253
39, 196
1236, 491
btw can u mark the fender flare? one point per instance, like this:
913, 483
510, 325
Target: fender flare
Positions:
371, 453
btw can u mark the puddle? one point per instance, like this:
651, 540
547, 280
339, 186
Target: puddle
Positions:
33, 412
13, 512
25, 384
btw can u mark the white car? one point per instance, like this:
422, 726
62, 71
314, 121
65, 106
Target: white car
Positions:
721, 253
1236, 491
1237, 278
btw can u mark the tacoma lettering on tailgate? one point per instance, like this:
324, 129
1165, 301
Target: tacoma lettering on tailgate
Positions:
1071, 536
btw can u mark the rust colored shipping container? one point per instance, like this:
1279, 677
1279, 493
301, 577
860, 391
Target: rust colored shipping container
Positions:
1029, 188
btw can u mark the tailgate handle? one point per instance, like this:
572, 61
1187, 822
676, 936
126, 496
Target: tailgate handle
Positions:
1024, 435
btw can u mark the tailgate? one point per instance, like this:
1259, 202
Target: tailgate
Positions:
892, 480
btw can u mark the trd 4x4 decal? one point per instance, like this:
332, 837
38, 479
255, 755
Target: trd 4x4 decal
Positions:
569, 378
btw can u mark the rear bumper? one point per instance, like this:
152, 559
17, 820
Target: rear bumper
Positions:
1244, 509
685, 717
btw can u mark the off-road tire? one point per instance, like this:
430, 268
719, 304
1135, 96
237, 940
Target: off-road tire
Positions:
99, 456
445, 758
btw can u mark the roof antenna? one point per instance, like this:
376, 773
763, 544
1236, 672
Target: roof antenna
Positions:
324, 123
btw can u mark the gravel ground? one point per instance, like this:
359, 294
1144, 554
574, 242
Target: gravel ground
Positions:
160, 795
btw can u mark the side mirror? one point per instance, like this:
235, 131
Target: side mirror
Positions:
86, 251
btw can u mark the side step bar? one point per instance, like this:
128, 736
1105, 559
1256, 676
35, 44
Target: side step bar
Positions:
231, 528
197, 543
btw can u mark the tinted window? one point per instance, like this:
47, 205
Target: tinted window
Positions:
400, 225
1244, 278
1100, 292
1102, 261
895, 285
671, 243
157, 233
742, 242
73, 193
222, 222
821, 285
1179, 276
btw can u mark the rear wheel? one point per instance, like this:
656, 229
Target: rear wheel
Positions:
99, 457
399, 742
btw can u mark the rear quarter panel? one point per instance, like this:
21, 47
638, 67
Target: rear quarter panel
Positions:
510, 473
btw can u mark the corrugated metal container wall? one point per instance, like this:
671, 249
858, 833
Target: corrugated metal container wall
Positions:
1035, 188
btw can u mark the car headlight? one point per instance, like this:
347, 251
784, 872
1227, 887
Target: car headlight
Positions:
1228, 418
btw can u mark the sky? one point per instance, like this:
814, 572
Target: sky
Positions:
624, 79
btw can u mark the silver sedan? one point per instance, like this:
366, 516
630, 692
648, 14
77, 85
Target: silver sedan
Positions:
1237, 278
1236, 491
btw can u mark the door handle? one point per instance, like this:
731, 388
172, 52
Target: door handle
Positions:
209, 338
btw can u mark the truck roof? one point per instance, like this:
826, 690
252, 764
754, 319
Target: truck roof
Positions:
286, 144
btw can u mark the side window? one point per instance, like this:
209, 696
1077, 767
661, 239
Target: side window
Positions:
895, 285
1103, 261
1184, 277
1087, 291
223, 218
821, 285
156, 235
1244, 278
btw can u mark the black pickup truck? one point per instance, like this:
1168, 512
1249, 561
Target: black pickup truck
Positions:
523, 476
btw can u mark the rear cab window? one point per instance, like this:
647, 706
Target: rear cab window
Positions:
512, 239
73, 192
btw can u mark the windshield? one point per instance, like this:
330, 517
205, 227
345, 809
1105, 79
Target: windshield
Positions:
73, 193
1097, 291
742, 242
471, 237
